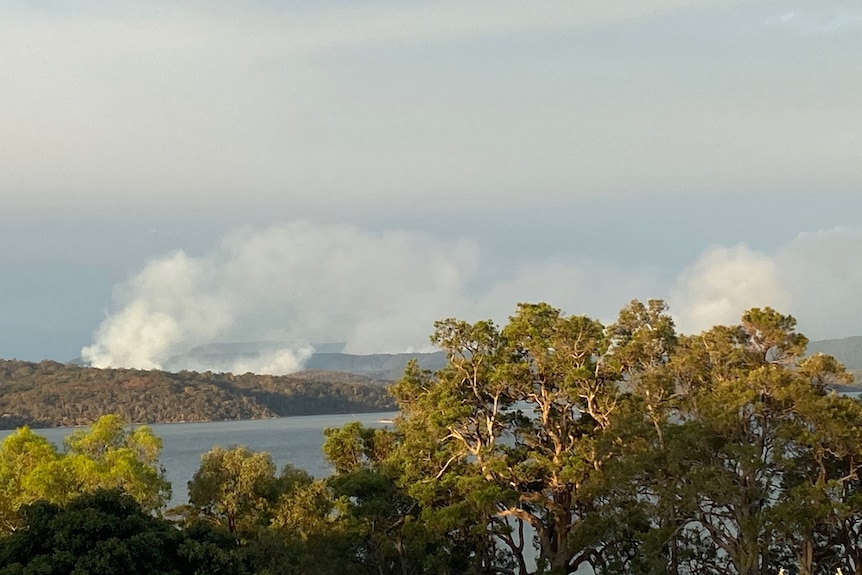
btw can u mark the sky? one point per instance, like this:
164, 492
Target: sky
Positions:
177, 174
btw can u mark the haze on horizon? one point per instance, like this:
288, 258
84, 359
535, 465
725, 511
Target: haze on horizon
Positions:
310, 172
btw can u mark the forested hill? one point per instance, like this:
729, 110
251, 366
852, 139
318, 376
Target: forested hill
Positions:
51, 394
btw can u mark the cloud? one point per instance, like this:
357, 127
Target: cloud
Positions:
446, 20
321, 27
254, 105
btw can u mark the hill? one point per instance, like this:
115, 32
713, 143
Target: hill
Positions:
387, 366
243, 356
326, 356
52, 394
847, 350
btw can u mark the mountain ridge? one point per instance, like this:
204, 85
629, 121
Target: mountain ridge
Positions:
847, 350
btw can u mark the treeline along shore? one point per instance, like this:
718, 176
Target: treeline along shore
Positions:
53, 394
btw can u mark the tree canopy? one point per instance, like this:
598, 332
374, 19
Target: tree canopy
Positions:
633, 449
108, 455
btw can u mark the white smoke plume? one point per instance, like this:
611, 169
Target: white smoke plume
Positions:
299, 284
816, 277
594, 288
822, 273
169, 303
275, 358
722, 284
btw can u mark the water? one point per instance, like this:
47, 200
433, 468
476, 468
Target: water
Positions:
297, 440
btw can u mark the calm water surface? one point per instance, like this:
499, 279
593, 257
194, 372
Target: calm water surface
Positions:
296, 440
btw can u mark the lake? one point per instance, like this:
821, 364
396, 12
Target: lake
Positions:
297, 440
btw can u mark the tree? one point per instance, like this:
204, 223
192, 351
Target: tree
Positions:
379, 527
449, 429
353, 446
234, 487
757, 458
522, 420
107, 455
635, 450
208, 549
99, 533
110, 455
28, 463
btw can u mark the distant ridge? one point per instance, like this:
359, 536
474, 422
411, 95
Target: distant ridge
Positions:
218, 357
390, 366
325, 357
847, 350
387, 366
51, 394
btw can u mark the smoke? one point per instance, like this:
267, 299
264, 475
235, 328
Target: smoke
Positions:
590, 287
291, 286
276, 358
822, 273
722, 284
297, 283
816, 277
169, 303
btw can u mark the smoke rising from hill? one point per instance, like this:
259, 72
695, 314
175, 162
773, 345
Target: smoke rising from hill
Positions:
299, 283
382, 291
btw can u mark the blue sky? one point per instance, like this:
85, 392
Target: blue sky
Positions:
371, 167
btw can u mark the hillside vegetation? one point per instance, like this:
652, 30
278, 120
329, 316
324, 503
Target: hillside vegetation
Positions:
52, 394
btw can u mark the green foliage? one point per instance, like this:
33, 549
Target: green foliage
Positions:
109, 455
238, 490
108, 532
233, 487
284, 524
207, 549
101, 533
105, 456
518, 428
29, 471
353, 446
758, 463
